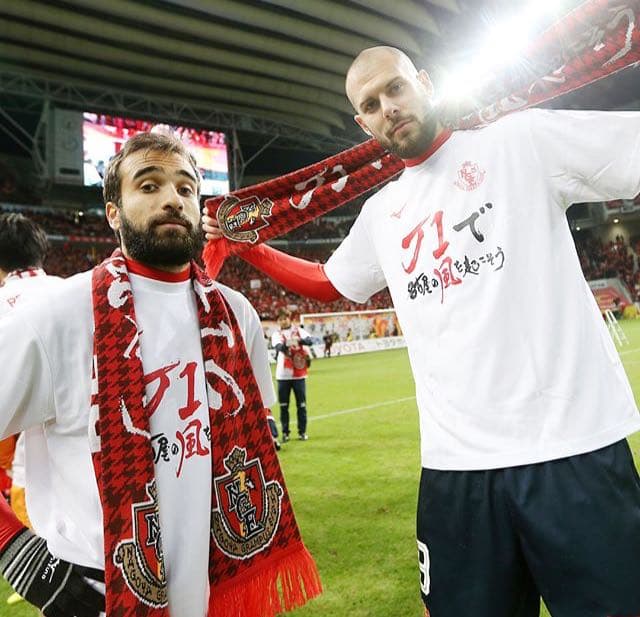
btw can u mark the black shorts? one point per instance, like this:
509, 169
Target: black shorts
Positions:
492, 542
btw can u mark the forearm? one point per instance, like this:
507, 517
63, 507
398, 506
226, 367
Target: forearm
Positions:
10, 526
303, 277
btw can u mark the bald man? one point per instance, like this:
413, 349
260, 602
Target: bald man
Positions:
396, 110
528, 486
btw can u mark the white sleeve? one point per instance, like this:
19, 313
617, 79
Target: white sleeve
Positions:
353, 269
303, 333
259, 356
588, 155
251, 329
26, 386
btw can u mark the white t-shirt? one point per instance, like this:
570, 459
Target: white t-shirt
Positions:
25, 286
512, 361
48, 353
284, 364
30, 460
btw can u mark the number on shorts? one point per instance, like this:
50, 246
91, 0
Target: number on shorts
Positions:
423, 566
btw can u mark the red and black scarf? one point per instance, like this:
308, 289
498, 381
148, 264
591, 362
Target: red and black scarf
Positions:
597, 39
258, 567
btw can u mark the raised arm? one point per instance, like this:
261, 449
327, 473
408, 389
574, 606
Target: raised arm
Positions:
303, 277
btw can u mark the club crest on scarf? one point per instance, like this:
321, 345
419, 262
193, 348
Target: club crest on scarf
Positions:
248, 512
241, 219
299, 358
140, 558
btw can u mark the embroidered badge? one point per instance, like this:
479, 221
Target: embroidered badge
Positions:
248, 512
242, 219
470, 176
140, 559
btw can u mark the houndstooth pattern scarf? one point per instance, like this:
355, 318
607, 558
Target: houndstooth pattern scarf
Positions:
258, 564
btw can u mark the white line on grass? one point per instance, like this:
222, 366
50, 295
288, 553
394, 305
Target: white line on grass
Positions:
363, 408
342, 412
627, 351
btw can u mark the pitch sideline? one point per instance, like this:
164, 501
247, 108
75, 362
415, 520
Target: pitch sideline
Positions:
343, 412
363, 408
628, 351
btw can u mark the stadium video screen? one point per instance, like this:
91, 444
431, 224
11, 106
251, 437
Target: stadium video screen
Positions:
103, 136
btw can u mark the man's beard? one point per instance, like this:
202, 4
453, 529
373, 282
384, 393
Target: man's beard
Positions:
416, 144
162, 247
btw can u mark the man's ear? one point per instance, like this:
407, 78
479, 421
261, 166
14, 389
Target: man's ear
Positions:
360, 122
425, 80
113, 215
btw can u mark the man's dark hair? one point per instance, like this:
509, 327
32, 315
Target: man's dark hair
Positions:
158, 142
23, 243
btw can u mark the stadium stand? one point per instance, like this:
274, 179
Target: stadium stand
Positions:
613, 259
81, 239
267, 297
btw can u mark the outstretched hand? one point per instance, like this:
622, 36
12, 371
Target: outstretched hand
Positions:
210, 226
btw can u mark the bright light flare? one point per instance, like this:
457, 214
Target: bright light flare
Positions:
504, 45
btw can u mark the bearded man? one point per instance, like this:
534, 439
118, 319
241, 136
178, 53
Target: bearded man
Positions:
150, 383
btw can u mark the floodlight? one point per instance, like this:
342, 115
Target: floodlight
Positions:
503, 45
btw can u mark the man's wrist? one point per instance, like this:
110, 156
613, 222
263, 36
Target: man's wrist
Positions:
18, 552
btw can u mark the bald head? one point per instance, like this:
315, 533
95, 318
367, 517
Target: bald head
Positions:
367, 62
393, 101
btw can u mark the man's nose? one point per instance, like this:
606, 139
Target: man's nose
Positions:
389, 107
171, 198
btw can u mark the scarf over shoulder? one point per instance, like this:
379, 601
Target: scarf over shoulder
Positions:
597, 39
258, 565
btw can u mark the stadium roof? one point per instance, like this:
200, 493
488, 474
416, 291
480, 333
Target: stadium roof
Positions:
273, 68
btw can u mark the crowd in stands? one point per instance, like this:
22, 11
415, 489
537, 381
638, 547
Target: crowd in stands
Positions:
267, 297
76, 253
327, 228
67, 258
72, 223
613, 259
80, 240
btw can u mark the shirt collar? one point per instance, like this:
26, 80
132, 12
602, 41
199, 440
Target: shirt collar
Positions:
24, 273
135, 267
435, 145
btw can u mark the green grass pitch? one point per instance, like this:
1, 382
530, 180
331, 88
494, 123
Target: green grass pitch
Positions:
354, 483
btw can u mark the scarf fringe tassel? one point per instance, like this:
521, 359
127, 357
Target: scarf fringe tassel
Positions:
275, 587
